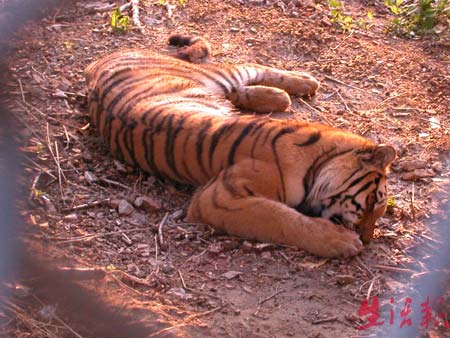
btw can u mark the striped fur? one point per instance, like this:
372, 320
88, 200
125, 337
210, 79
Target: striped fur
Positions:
301, 184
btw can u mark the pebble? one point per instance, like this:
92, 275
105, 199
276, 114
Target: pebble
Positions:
147, 203
437, 167
90, 177
344, 279
125, 208
234, 29
247, 246
417, 174
71, 217
410, 165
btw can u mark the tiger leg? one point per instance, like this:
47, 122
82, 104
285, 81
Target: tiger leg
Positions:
235, 207
295, 83
260, 99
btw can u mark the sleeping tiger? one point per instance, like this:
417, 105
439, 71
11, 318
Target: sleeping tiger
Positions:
302, 184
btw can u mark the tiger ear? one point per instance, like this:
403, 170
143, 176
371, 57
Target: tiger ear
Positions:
382, 156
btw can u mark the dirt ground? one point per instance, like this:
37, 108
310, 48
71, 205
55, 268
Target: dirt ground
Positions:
85, 209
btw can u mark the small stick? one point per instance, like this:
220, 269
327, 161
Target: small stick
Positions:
21, 91
156, 256
106, 180
61, 191
394, 269
343, 101
343, 83
135, 14
413, 212
201, 293
93, 236
369, 291
277, 292
324, 320
87, 205
318, 112
124, 7
160, 232
76, 334
186, 321
364, 266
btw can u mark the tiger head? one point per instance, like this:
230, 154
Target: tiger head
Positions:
350, 188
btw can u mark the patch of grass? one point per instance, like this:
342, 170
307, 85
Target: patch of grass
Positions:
418, 16
346, 22
119, 22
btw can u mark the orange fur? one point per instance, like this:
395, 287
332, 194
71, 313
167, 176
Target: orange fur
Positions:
302, 184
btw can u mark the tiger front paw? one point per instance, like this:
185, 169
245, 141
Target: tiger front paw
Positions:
335, 241
302, 84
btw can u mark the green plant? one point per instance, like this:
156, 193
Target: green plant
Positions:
346, 22
418, 16
119, 22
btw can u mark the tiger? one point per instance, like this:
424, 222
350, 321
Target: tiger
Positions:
295, 183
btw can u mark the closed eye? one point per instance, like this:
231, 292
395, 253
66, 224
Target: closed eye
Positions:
337, 219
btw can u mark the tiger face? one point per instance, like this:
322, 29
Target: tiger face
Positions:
351, 189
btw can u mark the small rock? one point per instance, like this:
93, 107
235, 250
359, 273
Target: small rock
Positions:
230, 245
147, 203
215, 248
137, 219
263, 247
231, 274
437, 167
266, 255
344, 279
126, 239
168, 269
237, 312
410, 165
247, 246
125, 208
48, 204
177, 215
234, 29
90, 177
417, 174
120, 167
48, 312
71, 217
114, 203
179, 292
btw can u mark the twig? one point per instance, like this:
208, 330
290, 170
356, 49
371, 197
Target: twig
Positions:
76, 334
317, 111
324, 320
21, 91
394, 269
135, 14
262, 301
343, 101
93, 236
364, 266
156, 270
160, 232
277, 292
106, 180
343, 83
124, 7
201, 293
86, 205
369, 291
413, 212
185, 322
61, 190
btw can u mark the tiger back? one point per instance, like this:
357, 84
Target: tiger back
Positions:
302, 184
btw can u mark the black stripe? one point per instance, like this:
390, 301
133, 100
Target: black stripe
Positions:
199, 145
238, 141
282, 132
313, 138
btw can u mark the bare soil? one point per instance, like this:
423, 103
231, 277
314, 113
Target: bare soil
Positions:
180, 279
